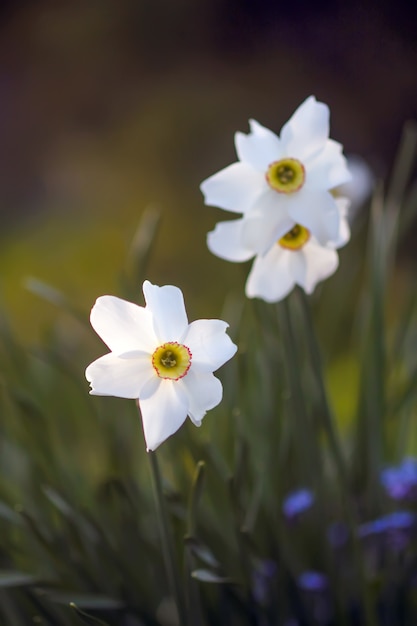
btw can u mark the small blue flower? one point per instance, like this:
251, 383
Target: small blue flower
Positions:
312, 581
396, 521
297, 502
400, 481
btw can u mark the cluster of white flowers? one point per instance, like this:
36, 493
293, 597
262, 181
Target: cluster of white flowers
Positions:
286, 190
293, 220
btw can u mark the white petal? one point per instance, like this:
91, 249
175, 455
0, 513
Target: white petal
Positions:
317, 211
122, 325
343, 236
204, 392
329, 168
319, 263
168, 311
270, 277
210, 346
259, 148
267, 223
234, 188
225, 241
297, 263
306, 132
163, 412
123, 377
359, 188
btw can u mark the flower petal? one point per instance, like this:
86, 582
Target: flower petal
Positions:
270, 277
166, 305
120, 376
329, 168
307, 131
234, 188
268, 221
343, 236
204, 392
122, 325
318, 263
259, 148
210, 346
225, 241
317, 211
163, 412
297, 263
359, 187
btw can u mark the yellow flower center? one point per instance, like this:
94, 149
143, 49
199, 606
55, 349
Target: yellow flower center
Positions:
171, 360
286, 175
295, 239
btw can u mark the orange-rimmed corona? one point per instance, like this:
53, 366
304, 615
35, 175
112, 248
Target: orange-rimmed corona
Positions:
172, 360
295, 238
286, 175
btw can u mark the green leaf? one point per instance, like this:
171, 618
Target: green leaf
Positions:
89, 602
87, 619
9, 514
11, 578
196, 491
207, 576
201, 551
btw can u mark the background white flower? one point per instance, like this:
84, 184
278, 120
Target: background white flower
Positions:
279, 181
360, 187
274, 275
295, 258
157, 357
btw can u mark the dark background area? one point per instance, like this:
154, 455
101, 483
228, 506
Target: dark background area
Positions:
106, 107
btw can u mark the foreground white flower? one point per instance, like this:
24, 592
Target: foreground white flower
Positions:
159, 358
279, 181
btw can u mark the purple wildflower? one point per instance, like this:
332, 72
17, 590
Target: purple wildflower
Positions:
297, 502
312, 581
399, 520
400, 481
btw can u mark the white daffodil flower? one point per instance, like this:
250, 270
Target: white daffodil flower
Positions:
295, 258
160, 359
282, 181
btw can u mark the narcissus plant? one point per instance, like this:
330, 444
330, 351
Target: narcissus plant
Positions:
159, 359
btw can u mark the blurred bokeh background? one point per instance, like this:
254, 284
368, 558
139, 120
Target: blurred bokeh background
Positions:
108, 107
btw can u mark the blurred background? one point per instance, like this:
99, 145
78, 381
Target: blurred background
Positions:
110, 107
112, 110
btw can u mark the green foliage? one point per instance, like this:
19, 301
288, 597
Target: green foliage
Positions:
81, 540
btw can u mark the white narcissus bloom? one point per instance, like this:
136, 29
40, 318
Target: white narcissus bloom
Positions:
295, 258
160, 359
275, 274
281, 181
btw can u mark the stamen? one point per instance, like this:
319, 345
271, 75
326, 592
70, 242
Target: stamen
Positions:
295, 238
286, 175
171, 360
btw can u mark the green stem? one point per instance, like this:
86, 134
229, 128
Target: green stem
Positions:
166, 539
310, 454
336, 450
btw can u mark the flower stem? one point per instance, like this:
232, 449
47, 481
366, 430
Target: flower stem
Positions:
338, 458
166, 539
